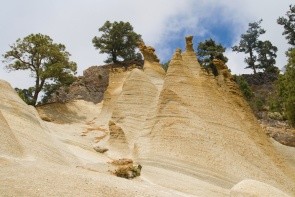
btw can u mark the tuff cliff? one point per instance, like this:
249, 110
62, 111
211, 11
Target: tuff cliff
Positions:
191, 120
192, 133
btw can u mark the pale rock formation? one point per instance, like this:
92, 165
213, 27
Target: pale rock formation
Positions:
71, 112
133, 104
100, 149
117, 78
148, 52
9, 143
189, 56
225, 78
23, 134
252, 188
152, 67
200, 119
44, 158
117, 137
193, 133
222, 70
212, 127
189, 44
136, 104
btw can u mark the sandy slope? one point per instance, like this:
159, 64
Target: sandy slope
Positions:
198, 125
53, 159
192, 133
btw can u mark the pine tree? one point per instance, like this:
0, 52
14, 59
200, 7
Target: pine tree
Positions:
289, 25
209, 50
48, 63
118, 40
249, 43
266, 56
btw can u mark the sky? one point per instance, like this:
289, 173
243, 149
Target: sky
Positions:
163, 25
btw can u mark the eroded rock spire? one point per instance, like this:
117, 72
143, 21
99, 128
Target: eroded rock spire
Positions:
177, 54
189, 44
148, 52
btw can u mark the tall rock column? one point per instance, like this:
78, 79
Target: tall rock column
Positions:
135, 107
190, 57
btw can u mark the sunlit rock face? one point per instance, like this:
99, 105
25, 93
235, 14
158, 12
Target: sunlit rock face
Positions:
23, 133
191, 132
192, 121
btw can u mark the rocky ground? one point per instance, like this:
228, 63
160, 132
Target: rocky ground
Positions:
274, 124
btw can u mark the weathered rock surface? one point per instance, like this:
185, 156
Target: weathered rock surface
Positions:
90, 87
100, 149
282, 135
40, 158
23, 133
196, 117
252, 188
193, 134
9, 143
93, 84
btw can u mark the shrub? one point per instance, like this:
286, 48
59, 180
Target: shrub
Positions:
244, 87
128, 171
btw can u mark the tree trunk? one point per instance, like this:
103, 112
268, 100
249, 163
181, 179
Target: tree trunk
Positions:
35, 97
254, 69
114, 58
252, 63
38, 89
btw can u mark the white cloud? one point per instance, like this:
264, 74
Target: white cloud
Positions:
251, 11
74, 23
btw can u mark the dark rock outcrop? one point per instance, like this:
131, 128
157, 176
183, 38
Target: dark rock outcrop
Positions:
260, 78
94, 82
89, 87
283, 135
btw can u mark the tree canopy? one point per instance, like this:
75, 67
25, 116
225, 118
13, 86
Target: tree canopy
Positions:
249, 42
48, 63
262, 54
118, 40
286, 87
266, 56
289, 25
209, 50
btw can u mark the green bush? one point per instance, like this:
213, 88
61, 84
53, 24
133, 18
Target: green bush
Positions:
290, 110
275, 116
244, 87
258, 104
286, 88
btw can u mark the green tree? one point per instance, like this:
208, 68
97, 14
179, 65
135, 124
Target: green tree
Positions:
289, 25
209, 50
118, 40
244, 87
26, 94
249, 43
48, 62
50, 88
286, 88
266, 56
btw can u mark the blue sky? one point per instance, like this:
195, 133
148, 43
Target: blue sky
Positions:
163, 24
